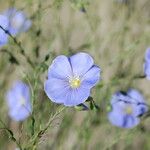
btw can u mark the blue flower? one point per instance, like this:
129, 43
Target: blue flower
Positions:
18, 21
127, 108
4, 24
71, 79
147, 64
18, 100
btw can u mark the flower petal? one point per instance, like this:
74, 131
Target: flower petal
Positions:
19, 113
4, 21
19, 90
81, 63
3, 36
121, 120
76, 96
139, 110
147, 70
10, 12
130, 121
26, 25
147, 55
18, 21
115, 118
56, 89
11, 99
91, 77
60, 68
119, 97
18, 99
136, 96
61, 92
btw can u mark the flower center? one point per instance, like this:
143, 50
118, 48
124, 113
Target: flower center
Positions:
22, 101
16, 23
128, 110
75, 82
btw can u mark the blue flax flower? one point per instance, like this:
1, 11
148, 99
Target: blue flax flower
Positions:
147, 64
18, 100
18, 21
71, 78
4, 24
127, 108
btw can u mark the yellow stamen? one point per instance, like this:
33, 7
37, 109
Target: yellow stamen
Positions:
75, 82
128, 110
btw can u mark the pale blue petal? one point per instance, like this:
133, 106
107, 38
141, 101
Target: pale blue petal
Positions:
11, 99
130, 121
76, 96
4, 21
26, 25
60, 92
60, 68
9, 12
19, 114
17, 110
116, 118
19, 90
18, 21
56, 89
136, 96
147, 70
147, 55
22, 90
81, 63
139, 110
119, 96
119, 106
3, 36
122, 120
92, 77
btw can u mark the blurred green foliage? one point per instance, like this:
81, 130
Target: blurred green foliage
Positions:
116, 34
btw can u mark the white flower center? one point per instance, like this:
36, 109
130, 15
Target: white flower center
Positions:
22, 101
75, 82
16, 23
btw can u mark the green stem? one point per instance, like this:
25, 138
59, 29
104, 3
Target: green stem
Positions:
42, 131
11, 135
22, 51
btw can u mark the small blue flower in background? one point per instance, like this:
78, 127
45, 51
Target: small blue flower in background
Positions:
18, 100
147, 64
127, 108
18, 21
70, 79
4, 24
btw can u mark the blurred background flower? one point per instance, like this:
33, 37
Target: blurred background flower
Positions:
127, 108
18, 100
115, 33
18, 21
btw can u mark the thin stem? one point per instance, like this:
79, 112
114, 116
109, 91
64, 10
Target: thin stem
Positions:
42, 131
22, 51
12, 58
51, 119
11, 135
